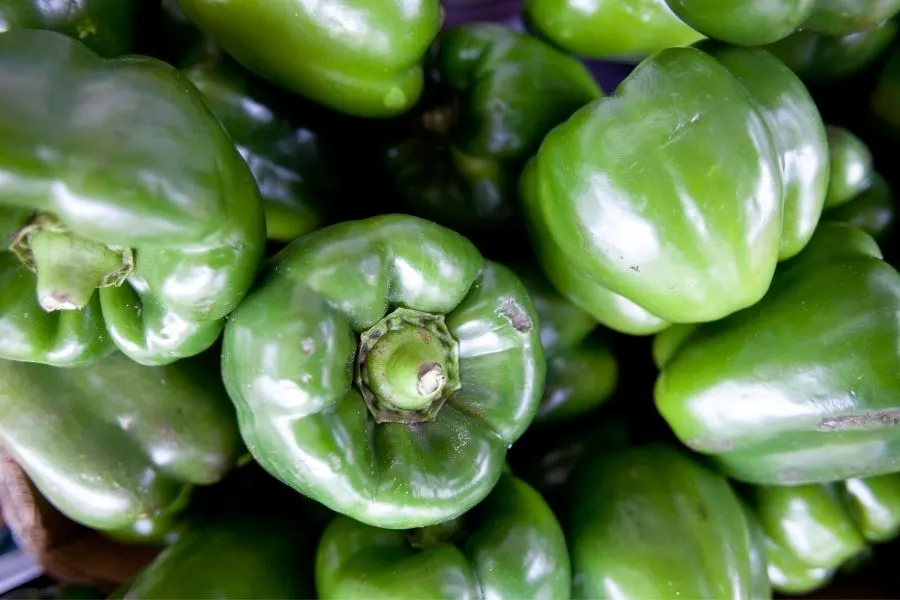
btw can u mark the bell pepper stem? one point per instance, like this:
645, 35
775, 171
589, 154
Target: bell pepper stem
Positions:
407, 366
430, 379
68, 267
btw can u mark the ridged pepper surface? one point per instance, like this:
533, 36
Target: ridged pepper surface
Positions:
650, 522
822, 58
356, 56
757, 22
493, 95
115, 176
643, 215
617, 29
509, 546
279, 137
383, 368
812, 530
803, 387
118, 446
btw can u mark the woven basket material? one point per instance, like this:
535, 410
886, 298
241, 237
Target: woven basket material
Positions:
68, 552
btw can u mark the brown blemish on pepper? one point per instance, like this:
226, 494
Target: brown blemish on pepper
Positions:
515, 314
870, 420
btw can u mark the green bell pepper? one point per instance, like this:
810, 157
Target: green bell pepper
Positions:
649, 522
117, 177
356, 56
383, 368
116, 444
873, 210
582, 372
799, 134
820, 58
291, 167
493, 96
840, 17
851, 166
790, 576
672, 201
163, 529
803, 386
874, 504
758, 22
621, 29
229, 557
509, 546
857, 195
108, 27
812, 530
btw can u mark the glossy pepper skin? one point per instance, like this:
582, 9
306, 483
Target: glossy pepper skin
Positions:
611, 30
230, 557
116, 443
840, 17
820, 58
851, 166
117, 176
290, 165
649, 522
382, 367
108, 27
857, 195
873, 210
758, 22
811, 530
582, 372
368, 55
774, 394
509, 546
800, 138
635, 229
494, 94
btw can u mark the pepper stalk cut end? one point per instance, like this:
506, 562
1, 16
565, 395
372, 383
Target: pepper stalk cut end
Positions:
407, 367
68, 267
430, 380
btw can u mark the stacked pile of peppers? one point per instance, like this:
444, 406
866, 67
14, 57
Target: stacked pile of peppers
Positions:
350, 299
